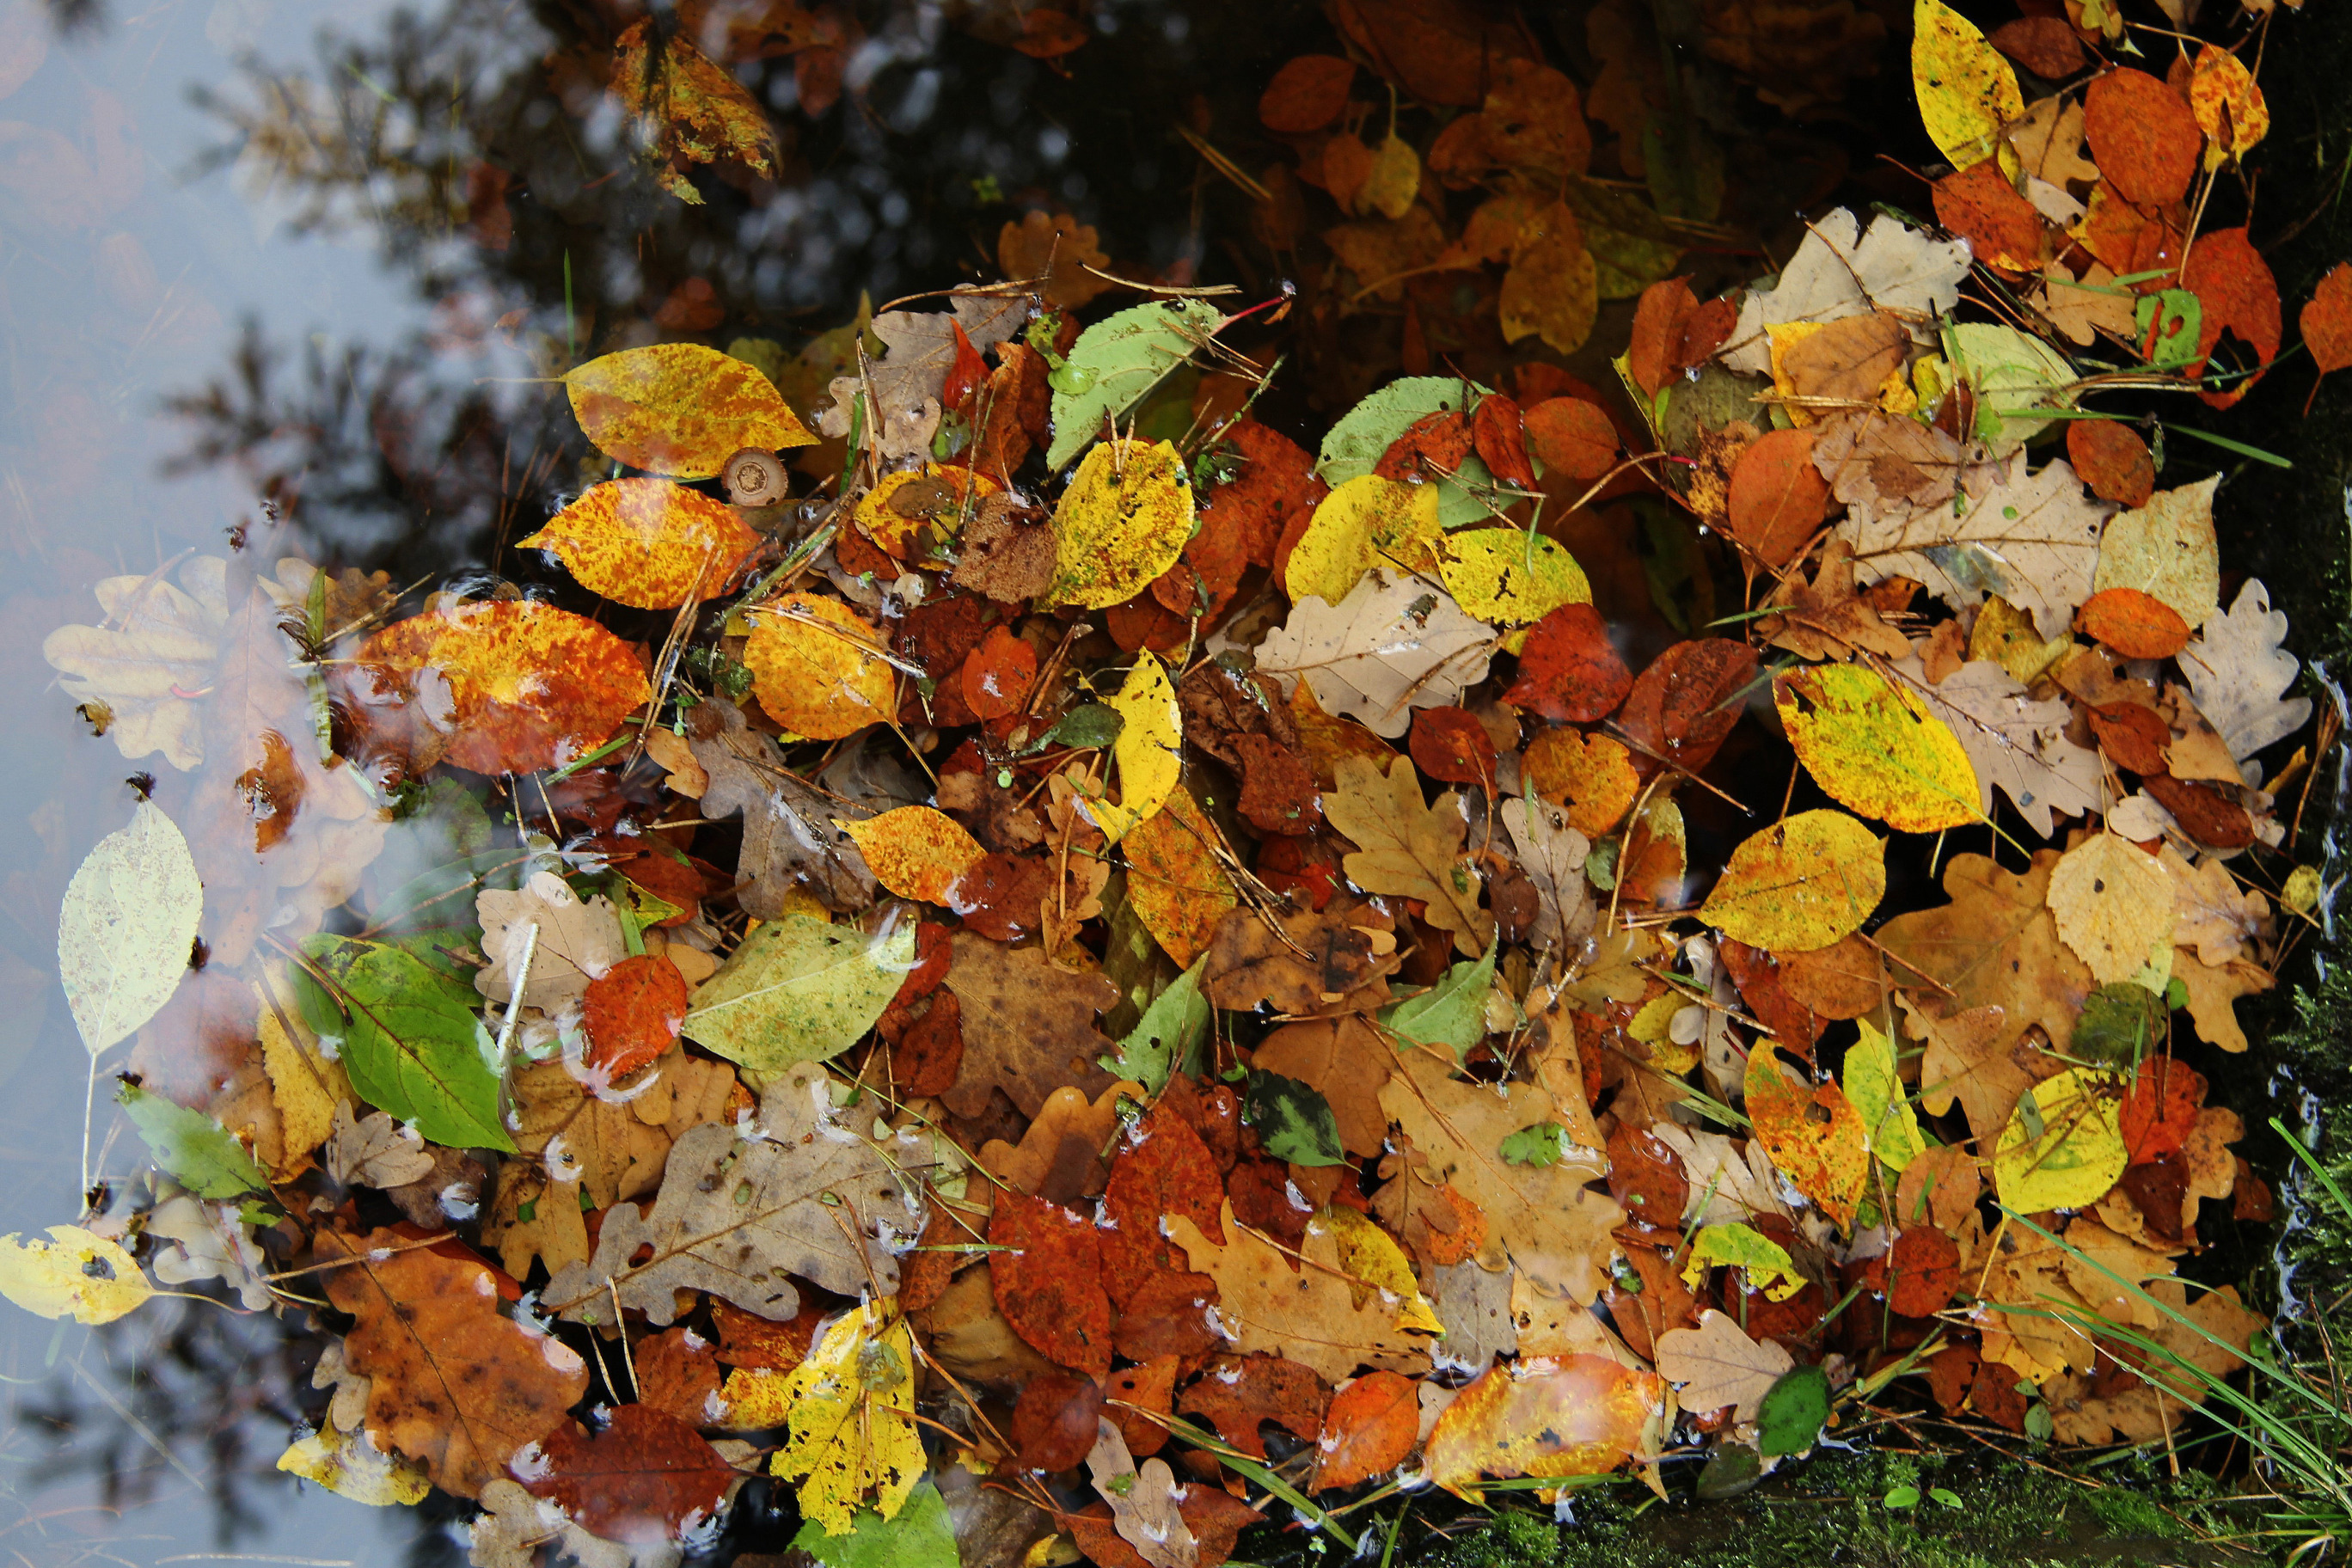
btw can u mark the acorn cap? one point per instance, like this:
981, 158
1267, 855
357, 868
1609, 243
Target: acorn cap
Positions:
755, 478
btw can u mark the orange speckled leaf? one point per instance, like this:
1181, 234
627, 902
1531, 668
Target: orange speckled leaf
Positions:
647, 543
915, 851
679, 409
2229, 107
1592, 776
997, 674
2136, 624
1371, 1427
516, 685
896, 512
1174, 883
1827, 1154
1049, 1283
1573, 1415
815, 663
632, 1013
2144, 139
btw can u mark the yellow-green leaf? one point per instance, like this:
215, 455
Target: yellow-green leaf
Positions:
1800, 885
2063, 1146
679, 409
1123, 522
1148, 751
1876, 1095
1967, 90
1769, 1267
75, 1274
1365, 520
853, 1437
1498, 575
1873, 747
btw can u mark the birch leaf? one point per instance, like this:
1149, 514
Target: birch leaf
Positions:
1115, 364
75, 1274
128, 926
1389, 646
799, 990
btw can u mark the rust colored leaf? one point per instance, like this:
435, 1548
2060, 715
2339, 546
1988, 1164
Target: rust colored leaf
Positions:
1569, 670
1151, 1386
1684, 706
2136, 624
516, 685
678, 1375
2143, 137
1275, 487
633, 1013
1162, 1167
1571, 436
648, 544
1659, 317
1645, 1176
1499, 434
1923, 1272
1814, 1136
1306, 94
2327, 320
1055, 1419
1370, 1427
2239, 296
1451, 746
1049, 1282
2006, 229
2136, 737
2207, 817
455, 1385
638, 1481
1433, 444
1779, 498
1237, 1394
1278, 794
2046, 46
1000, 895
2110, 457
1758, 974
2160, 1110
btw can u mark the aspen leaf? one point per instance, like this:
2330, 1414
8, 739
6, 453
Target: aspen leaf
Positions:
1148, 751
853, 1439
1124, 520
1875, 748
2143, 137
1364, 522
2063, 1144
679, 409
648, 544
1800, 884
1371, 1426
75, 1274
2165, 548
2230, 108
1113, 366
817, 668
127, 927
916, 852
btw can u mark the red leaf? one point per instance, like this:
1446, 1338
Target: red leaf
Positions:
2204, 814
1236, 1395
1162, 1168
2158, 1114
1002, 895
2134, 623
1658, 318
1151, 1386
1922, 1273
1055, 1421
677, 1372
2133, 736
1371, 1427
1777, 498
2234, 286
639, 1480
1571, 436
2046, 46
2143, 136
1277, 488
1570, 671
1437, 443
1451, 746
969, 374
1500, 436
1306, 94
1683, 708
1646, 1176
1758, 974
1049, 1285
633, 1013
2112, 460
997, 674
1981, 204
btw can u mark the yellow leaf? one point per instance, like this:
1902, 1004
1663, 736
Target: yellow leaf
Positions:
852, 1434
1394, 179
647, 543
1365, 518
1148, 749
1769, 1267
895, 512
1876, 1093
1571, 1415
1967, 90
1553, 288
76, 1273
1800, 885
1496, 574
1811, 1133
1370, 1254
303, 1083
2229, 108
1875, 748
679, 409
348, 1465
812, 662
2063, 1146
1592, 776
691, 110
1174, 883
915, 851
2114, 906
1123, 522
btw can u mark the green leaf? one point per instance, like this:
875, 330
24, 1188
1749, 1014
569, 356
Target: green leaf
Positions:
1292, 1122
1165, 1035
1792, 1412
1545, 1143
1903, 1496
920, 1536
2013, 373
2119, 1024
1353, 448
1116, 362
1876, 1092
1452, 1013
1090, 724
799, 990
412, 1043
2176, 317
197, 1151
128, 927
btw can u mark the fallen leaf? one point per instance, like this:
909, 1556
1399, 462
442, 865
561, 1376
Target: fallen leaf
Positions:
2062, 1147
570, 942
642, 1479
2112, 904
1028, 1027
1371, 1427
694, 110
1778, 497
1583, 1415
2239, 674
799, 990
1389, 646
1123, 520
127, 927
853, 1435
791, 842
2112, 460
76, 1273
915, 851
1875, 748
648, 544
2012, 740
1408, 849
1966, 92
1113, 365
1715, 1365
2143, 136
1302, 1309
1048, 1279
1841, 271
158, 641
1800, 884
2230, 108
818, 666
1995, 945
1306, 94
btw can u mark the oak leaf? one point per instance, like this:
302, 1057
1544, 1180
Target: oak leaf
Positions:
1993, 945
1716, 1364
1408, 849
2014, 741
1300, 1306
1028, 1027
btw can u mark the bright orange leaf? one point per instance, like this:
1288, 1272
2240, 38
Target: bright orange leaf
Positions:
1569, 670
1577, 1416
815, 663
2136, 624
1571, 436
1815, 1137
2111, 459
2142, 136
1370, 1427
997, 674
679, 409
916, 851
1777, 498
2233, 284
633, 1013
647, 543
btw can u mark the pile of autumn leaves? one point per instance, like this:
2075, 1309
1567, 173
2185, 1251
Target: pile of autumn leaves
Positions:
1444, 1132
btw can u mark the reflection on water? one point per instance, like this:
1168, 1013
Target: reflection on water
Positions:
284, 278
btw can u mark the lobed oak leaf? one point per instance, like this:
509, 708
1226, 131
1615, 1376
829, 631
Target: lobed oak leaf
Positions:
1028, 1027
791, 841
1993, 945
1408, 849
1841, 270
1715, 1364
1302, 1307
2012, 740
2239, 674
571, 941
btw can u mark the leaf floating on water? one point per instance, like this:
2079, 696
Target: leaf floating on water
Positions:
647, 542
128, 926
75, 1274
